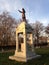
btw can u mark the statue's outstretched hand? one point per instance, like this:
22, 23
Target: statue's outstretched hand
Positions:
20, 11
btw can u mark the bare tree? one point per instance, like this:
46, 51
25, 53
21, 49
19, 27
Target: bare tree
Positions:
38, 27
47, 29
7, 29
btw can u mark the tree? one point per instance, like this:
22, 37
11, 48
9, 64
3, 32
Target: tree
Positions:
7, 29
38, 27
47, 29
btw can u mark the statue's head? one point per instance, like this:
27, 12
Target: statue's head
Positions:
23, 10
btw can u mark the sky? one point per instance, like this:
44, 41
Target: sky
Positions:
36, 10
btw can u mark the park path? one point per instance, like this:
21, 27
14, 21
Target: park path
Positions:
4, 51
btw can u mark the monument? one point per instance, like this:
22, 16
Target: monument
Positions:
24, 43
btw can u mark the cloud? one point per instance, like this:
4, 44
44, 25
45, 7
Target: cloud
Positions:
45, 21
4, 5
10, 6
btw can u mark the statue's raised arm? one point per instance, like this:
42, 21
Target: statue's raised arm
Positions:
23, 14
20, 11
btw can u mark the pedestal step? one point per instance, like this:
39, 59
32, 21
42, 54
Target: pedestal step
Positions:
17, 58
21, 59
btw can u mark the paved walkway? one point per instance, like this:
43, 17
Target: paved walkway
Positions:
4, 51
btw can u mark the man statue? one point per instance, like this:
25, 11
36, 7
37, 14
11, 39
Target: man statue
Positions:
23, 14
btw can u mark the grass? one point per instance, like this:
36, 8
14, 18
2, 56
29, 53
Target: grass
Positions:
44, 60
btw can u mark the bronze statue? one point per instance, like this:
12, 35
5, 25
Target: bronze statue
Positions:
23, 14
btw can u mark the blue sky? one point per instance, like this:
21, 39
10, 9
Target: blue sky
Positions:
35, 9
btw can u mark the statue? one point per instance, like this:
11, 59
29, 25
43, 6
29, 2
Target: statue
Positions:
23, 14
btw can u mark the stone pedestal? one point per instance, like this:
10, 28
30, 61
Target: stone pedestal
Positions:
24, 43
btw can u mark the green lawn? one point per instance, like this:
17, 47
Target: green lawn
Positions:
44, 60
